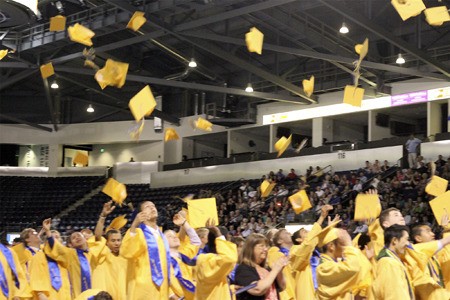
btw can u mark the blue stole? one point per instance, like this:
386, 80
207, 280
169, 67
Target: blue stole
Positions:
184, 282
85, 269
55, 274
31, 250
285, 251
3, 282
232, 275
193, 262
153, 255
314, 261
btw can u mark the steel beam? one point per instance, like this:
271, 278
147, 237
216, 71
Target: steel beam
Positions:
222, 54
49, 97
321, 56
95, 89
20, 121
184, 85
388, 36
16, 78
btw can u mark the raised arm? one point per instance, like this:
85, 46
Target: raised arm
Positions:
185, 227
107, 209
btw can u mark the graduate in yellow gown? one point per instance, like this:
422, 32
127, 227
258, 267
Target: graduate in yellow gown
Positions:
13, 282
79, 260
181, 252
110, 272
304, 258
416, 261
422, 235
337, 279
146, 279
283, 244
392, 280
31, 244
48, 279
212, 268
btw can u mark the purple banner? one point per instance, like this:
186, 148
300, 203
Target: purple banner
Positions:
410, 98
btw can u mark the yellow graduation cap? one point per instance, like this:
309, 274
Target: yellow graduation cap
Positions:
300, 202
81, 158
203, 124
436, 16
170, 135
57, 23
3, 53
282, 144
117, 223
440, 206
136, 21
254, 40
437, 186
362, 49
200, 210
266, 188
80, 34
353, 95
87, 294
367, 206
47, 70
308, 86
116, 190
113, 73
409, 8
328, 234
142, 104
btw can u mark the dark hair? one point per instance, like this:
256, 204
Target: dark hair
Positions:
276, 237
385, 215
211, 244
295, 236
394, 231
416, 230
237, 240
103, 296
111, 231
363, 240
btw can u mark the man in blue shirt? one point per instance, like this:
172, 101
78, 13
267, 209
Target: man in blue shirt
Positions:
411, 146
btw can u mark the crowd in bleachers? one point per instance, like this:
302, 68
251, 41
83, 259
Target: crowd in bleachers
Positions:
248, 220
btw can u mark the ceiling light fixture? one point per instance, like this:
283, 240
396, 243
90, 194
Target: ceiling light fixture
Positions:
59, 7
192, 63
90, 109
249, 88
54, 85
400, 60
344, 28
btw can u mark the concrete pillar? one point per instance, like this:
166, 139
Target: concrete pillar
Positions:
317, 132
55, 154
434, 118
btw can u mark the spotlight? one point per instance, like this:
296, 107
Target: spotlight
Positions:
90, 109
344, 28
54, 85
192, 63
400, 60
59, 7
249, 88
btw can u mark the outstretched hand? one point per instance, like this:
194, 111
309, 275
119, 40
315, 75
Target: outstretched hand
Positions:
178, 219
108, 208
46, 224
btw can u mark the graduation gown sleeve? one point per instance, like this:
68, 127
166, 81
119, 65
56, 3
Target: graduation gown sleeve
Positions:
336, 279
390, 282
212, 270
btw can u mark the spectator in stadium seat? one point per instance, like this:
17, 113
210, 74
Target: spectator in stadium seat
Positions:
252, 269
385, 166
412, 147
292, 175
280, 176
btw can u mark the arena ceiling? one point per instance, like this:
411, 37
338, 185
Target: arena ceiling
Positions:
301, 39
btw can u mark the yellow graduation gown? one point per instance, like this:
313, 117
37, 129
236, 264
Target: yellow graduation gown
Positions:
337, 279
289, 292
24, 255
68, 258
391, 280
443, 257
24, 290
431, 291
140, 283
212, 269
300, 263
40, 279
110, 274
